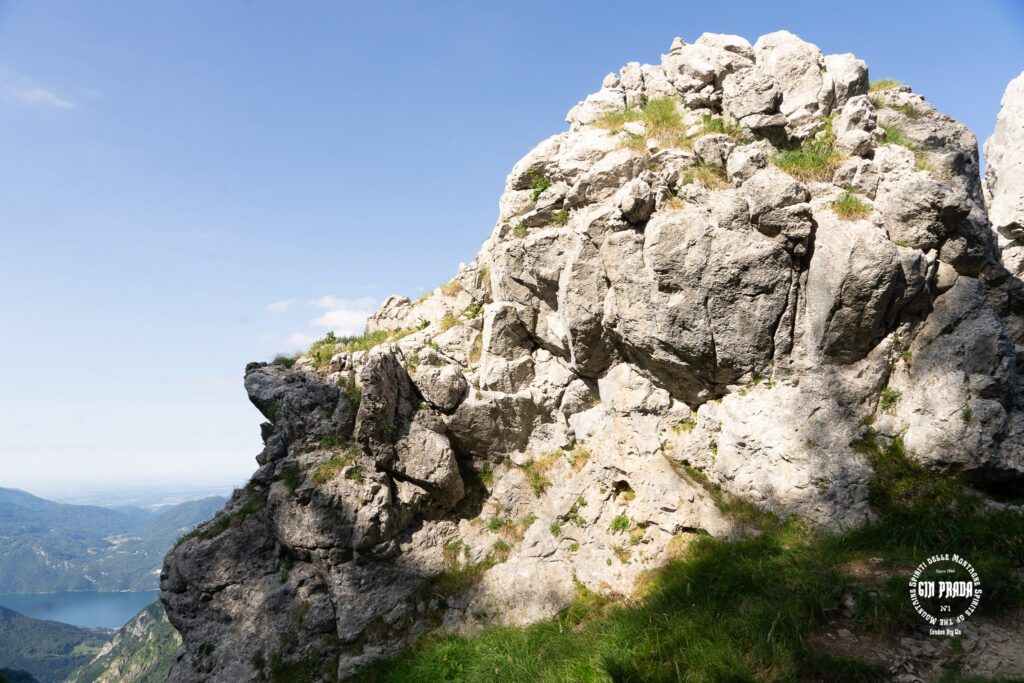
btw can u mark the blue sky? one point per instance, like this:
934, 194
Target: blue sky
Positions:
188, 186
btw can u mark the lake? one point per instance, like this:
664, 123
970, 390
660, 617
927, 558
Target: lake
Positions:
81, 608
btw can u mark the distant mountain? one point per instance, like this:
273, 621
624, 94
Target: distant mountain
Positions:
48, 650
141, 651
47, 547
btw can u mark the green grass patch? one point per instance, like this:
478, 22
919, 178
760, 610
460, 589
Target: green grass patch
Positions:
535, 474
577, 457
291, 477
451, 288
713, 125
613, 120
328, 470
686, 425
635, 142
851, 207
283, 360
883, 84
486, 475
520, 231
560, 217
356, 474
815, 160
908, 110
894, 135
711, 177
662, 113
323, 349
662, 119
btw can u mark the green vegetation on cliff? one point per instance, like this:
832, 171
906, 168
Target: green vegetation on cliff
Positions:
141, 651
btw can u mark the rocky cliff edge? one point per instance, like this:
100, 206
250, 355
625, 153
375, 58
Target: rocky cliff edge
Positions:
733, 265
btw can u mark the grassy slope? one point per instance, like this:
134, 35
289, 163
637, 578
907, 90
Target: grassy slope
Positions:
744, 610
48, 650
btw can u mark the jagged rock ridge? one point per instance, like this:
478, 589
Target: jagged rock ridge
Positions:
659, 304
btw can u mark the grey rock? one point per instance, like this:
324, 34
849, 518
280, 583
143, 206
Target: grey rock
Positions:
744, 162
713, 149
856, 284
807, 87
918, 210
730, 43
635, 200
1004, 171
596, 106
771, 188
849, 76
750, 92
442, 387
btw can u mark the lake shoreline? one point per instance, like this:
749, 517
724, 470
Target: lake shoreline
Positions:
104, 610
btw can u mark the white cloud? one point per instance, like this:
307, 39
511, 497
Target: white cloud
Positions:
280, 306
346, 317
15, 86
39, 95
299, 340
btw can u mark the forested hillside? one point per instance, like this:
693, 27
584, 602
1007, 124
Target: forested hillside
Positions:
48, 547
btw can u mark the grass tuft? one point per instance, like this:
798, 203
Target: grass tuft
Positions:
535, 476
711, 177
663, 120
452, 288
328, 470
883, 84
890, 397
713, 125
851, 207
283, 360
816, 159
449, 321
355, 474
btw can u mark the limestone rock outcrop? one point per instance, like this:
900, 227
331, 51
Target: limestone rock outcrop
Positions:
1004, 175
666, 309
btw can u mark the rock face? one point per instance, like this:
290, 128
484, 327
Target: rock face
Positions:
1004, 175
661, 311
